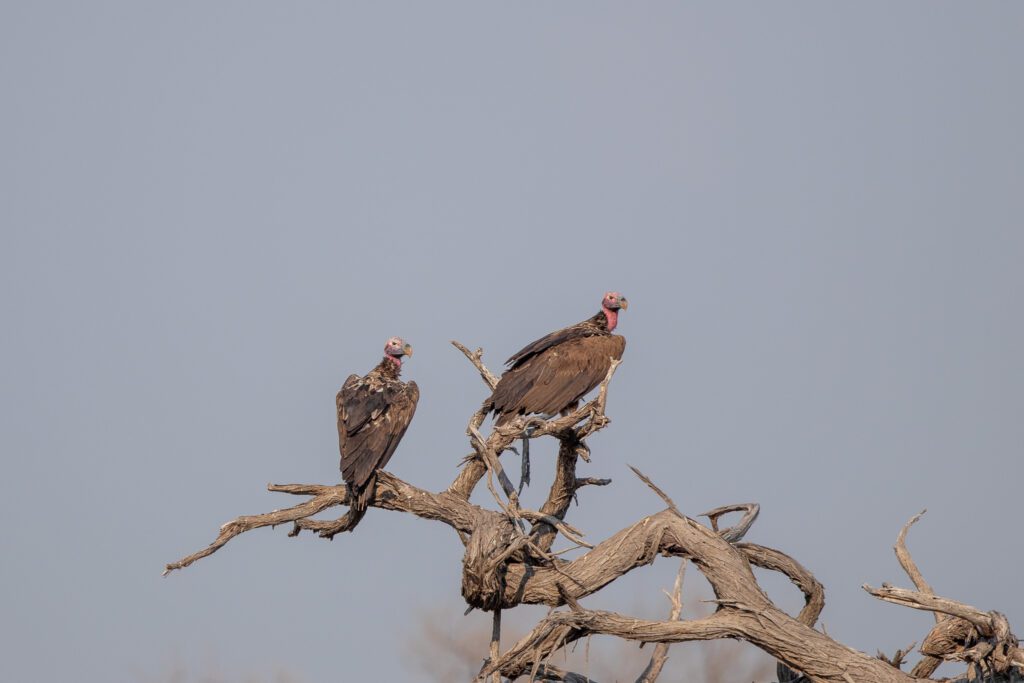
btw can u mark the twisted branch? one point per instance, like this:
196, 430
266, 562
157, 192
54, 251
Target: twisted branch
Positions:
744, 610
505, 567
998, 654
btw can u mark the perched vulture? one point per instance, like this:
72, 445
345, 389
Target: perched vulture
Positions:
373, 413
552, 374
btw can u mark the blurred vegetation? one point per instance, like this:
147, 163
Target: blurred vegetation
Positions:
178, 672
450, 650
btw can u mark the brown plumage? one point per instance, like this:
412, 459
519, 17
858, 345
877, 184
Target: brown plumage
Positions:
552, 374
373, 413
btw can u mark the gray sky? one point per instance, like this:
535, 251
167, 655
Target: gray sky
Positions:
212, 213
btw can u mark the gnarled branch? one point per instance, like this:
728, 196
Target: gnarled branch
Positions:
390, 493
504, 567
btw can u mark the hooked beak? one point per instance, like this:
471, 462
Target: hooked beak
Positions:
623, 303
407, 350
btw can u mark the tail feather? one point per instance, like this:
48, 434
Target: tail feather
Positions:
360, 495
359, 501
352, 517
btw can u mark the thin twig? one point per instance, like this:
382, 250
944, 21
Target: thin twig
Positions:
327, 497
489, 457
475, 358
660, 654
908, 564
590, 481
496, 641
661, 494
570, 532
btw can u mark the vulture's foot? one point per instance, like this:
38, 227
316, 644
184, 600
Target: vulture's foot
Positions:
524, 472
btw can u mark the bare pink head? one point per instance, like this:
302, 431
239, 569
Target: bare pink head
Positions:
395, 348
611, 304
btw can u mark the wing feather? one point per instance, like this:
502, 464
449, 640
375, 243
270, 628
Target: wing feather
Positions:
555, 378
370, 426
549, 340
357, 404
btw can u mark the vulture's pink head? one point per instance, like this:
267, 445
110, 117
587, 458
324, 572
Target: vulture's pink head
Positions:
395, 349
613, 301
611, 304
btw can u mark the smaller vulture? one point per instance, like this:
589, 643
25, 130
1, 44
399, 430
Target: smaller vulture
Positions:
373, 413
552, 374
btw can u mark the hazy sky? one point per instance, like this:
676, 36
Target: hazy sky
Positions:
213, 212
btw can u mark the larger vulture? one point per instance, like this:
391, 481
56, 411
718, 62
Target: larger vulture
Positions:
552, 374
373, 413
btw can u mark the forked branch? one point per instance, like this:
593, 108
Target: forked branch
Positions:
390, 493
505, 566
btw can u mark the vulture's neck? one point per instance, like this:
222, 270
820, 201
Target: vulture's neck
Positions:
607, 319
389, 367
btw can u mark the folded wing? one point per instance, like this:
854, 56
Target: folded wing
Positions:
553, 379
371, 423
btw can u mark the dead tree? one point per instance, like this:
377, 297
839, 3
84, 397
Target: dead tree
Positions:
508, 562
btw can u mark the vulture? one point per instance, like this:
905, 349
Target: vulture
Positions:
552, 374
373, 413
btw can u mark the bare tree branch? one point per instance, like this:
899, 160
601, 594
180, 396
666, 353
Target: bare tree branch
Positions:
495, 641
572, 445
942, 638
325, 498
660, 654
390, 493
985, 622
475, 358
778, 561
734, 533
907, 562
744, 610
997, 649
504, 567
502, 437
897, 658
661, 494
590, 481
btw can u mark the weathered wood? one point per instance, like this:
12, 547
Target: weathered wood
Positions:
504, 566
660, 655
391, 493
744, 610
